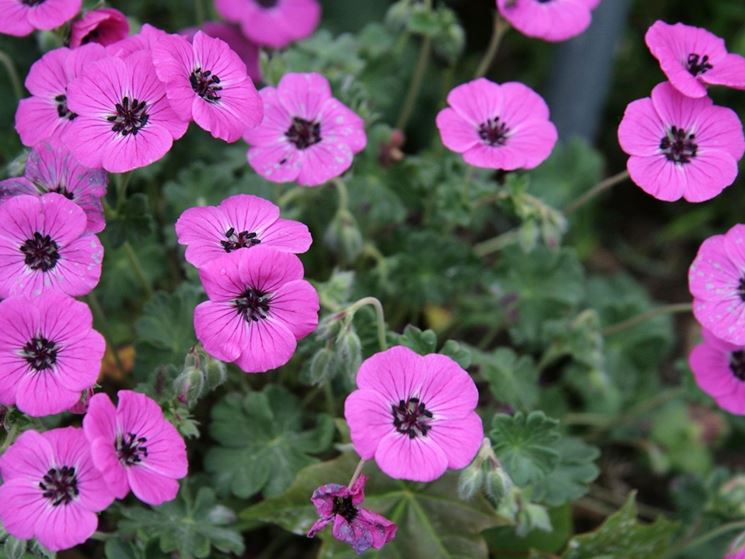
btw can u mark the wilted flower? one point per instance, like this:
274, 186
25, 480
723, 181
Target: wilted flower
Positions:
550, 20
104, 26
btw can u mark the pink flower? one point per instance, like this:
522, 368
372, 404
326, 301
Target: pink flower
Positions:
307, 136
361, 528
719, 370
231, 34
104, 26
414, 415
274, 23
550, 20
716, 280
681, 147
44, 246
259, 306
21, 17
49, 353
124, 118
45, 115
135, 447
693, 58
148, 36
54, 169
497, 126
240, 221
51, 490
208, 81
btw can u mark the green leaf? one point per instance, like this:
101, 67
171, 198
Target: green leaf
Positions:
423, 342
621, 537
433, 523
132, 222
568, 481
457, 352
262, 444
525, 445
512, 379
189, 527
503, 541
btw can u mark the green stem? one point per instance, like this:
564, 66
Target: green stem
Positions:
199, 11
289, 196
356, 474
10, 436
137, 268
595, 191
343, 192
105, 330
643, 317
416, 84
500, 29
495, 244
380, 316
704, 538
15, 81
101, 536
122, 182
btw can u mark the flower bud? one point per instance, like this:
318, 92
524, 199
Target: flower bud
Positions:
471, 480
343, 236
189, 386
349, 351
215, 373
323, 366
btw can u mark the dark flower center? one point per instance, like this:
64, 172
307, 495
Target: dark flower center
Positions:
62, 110
494, 132
698, 64
130, 117
40, 353
343, 507
679, 146
303, 133
62, 191
244, 239
206, 85
130, 449
40, 252
267, 3
32, 3
412, 418
252, 304
737, 364
60, 485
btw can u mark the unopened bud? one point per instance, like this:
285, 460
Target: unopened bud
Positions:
322, 366
471, 480
349, 351
215, 373
344, 237
189, 386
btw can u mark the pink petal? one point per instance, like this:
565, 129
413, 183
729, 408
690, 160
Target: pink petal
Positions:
270, 345
304, 95
641, 129
456, 134
418, 459
151, 487
66, 526
446, 389
713, 276
368, 413
221, 330
396, 373
460, 439
295, 304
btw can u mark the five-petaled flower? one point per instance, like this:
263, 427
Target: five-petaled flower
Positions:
719, 370
497, 126
414, 414
550, 20
681, 147
135, 447
51, 490
22, 17
339, 506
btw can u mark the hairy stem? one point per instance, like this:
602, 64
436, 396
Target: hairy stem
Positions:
137, 268
380, 317
500, 29
10, 68
595, 191
416, 84
643, 317
356, 474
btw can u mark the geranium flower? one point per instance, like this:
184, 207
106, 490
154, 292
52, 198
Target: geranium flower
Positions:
43, 247
22, 17
692, 58
274, 23
54, 169
359, 527
259, 306
681, 147
124, 118
240, 221
232, 35
719, 370
148, 36
105, 26
46, 115
49, 353
208, 81
716, 280
135, 447
497, 126
51, 491
414, 415
307, 136
550, 20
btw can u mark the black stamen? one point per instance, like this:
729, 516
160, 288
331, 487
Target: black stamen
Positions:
411, 418
494, 132
60, 485
40, 252
40, 353
252, 305
343, 507
130, 449
679, 146
244, 239
129, 119
698, 64
303, 133
205, 85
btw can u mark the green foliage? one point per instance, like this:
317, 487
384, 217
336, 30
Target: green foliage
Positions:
132, 222
512, 379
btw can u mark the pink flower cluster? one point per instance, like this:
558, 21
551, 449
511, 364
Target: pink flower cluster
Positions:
680, 144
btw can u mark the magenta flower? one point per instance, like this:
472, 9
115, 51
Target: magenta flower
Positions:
497, 126
22, 17
307, 136
681, 147
135, 447
550, 20
240, 221
44, 246
719, 370
692, 58
105, 26
49, 353
259, 306
45, 115
148, 36
232, 35
51, 490
124, 118
359, 527
208, 81
716, 280
274, 23
54, 169
414, 415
